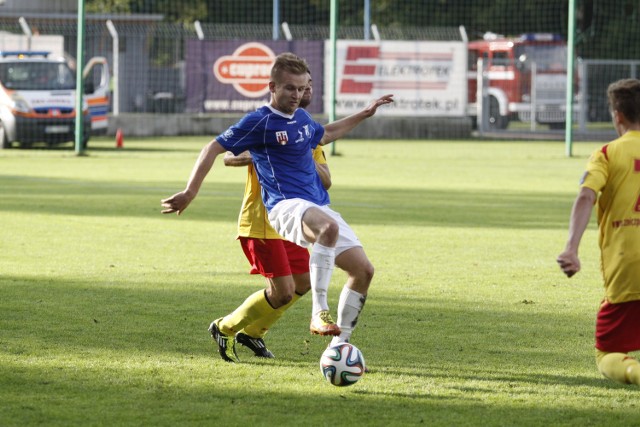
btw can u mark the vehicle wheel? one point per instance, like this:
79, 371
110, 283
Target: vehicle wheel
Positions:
496, 121
4, 141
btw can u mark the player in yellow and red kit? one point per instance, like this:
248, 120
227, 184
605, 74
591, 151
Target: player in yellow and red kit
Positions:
613, 180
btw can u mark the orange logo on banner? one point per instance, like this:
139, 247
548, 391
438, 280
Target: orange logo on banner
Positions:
247, 69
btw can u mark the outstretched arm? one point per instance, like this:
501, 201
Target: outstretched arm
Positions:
179, 201
339, 128
580, 214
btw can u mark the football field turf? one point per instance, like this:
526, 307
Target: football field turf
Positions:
105, 303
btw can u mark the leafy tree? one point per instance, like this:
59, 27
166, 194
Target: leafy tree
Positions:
183, 11
107, 6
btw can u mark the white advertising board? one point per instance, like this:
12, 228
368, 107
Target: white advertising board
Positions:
427, 78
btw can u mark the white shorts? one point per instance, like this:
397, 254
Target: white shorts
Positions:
286, 218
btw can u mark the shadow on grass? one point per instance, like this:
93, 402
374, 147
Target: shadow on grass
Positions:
117, 315
124, 402
386, 206
456, 370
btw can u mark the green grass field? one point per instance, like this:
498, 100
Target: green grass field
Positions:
105, 302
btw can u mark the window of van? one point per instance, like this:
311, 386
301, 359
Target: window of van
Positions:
36, 76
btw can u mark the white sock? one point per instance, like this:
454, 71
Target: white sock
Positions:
349, 308
321, 265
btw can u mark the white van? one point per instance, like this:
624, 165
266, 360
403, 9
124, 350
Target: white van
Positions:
37, 98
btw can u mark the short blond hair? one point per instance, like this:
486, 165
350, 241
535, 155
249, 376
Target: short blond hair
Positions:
288, 63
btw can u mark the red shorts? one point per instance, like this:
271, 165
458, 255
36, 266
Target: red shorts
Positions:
275, 257
618, 327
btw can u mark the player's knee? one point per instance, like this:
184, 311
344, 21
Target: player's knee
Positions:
363, 275
279, 295
332, 229
281, 299
369, 271
286, 299
329, 233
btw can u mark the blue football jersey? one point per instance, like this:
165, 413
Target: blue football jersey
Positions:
280, 146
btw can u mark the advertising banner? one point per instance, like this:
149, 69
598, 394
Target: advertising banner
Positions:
233, 75
428, 78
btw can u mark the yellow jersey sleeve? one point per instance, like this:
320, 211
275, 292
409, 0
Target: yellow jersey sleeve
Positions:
318, 155
597, 171
253, 220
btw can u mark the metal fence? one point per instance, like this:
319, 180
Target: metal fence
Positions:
153, 68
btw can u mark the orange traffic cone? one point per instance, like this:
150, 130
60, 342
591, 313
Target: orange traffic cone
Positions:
119, 138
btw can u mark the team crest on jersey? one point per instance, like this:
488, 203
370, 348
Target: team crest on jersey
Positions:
302, 133
282, 137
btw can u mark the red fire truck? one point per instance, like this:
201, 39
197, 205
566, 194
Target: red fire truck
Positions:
522, 74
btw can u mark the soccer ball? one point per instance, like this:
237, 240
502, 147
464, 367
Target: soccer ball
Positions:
342, 365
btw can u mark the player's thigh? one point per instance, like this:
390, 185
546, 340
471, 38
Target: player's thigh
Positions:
315, 222
267, 257
298, 257
286, 218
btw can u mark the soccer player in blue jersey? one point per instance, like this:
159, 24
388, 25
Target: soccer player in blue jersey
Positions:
276, 259
280, 137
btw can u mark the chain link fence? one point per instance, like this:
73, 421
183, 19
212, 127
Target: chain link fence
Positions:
156, 63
